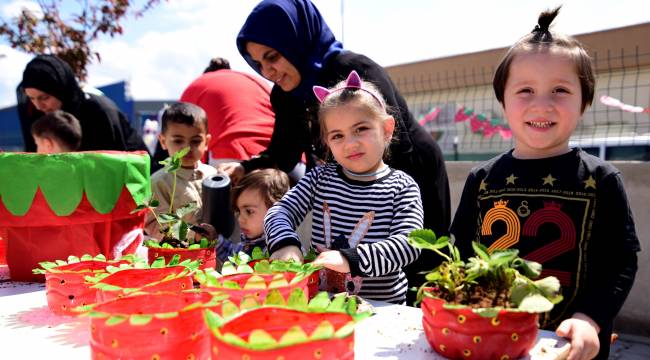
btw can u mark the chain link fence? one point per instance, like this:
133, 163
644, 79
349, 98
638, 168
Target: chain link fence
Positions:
461, 112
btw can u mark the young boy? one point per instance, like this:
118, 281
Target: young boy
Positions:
254, 194
558, 206
56, 132
183, 125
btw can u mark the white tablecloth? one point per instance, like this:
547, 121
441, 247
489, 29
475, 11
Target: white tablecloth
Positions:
28, 330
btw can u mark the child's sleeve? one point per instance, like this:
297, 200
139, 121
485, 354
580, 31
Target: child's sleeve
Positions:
161, 191
284, 217
612, 254
226, 248
465, 225
394, 252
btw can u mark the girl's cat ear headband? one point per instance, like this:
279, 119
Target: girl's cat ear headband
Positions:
352, 82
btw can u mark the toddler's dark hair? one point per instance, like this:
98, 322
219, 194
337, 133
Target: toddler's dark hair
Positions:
60, 126
271, 183
217, 63
184, 113
542, 39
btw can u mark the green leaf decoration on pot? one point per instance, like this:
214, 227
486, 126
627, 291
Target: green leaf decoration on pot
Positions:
500, 273
260, 339
213, 278
65, 178
144, 319
51, 266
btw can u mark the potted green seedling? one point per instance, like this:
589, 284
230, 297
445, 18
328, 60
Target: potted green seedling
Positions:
486, 307
176, 235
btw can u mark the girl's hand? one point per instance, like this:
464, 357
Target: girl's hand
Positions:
233, 169
583, 333
288, 253
333, 260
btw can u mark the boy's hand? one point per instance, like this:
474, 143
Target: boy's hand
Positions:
333, 260
583, 333
287, 253
204, 230
233, 169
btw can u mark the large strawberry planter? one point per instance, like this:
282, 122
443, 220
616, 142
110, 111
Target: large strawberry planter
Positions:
465, 333
151, 326
65, 284
53, 206
286, 329
128, 279
241, 281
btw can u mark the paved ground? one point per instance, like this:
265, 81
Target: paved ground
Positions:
630, 347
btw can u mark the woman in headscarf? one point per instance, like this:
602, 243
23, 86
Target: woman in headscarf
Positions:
289, 43
50, 84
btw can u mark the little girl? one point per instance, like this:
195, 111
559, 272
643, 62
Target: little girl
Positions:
362, 209
254, 194
558, 206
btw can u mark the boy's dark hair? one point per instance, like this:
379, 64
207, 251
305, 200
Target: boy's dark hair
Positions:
271, 183
184, 113
542, 39
60, 126
217, 63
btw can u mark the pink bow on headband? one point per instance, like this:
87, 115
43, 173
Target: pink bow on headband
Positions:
352, 82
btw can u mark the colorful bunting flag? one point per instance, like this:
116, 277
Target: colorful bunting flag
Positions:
610, 101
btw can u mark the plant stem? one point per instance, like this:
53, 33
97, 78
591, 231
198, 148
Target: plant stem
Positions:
171, 201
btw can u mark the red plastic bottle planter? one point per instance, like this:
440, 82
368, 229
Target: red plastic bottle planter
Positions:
238, 286
463, 334
56, 205
65, 284
124, 282
286, 330
150, 326
312, 282
206, 257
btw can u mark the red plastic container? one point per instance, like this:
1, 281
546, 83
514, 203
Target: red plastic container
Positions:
150, 326
206, 257
66, 288
276, 322
312, 283
172, 279
463, 334
236, 295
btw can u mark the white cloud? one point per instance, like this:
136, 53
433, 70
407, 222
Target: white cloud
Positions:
15, 7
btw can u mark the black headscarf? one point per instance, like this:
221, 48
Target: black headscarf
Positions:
54, 76
103, 125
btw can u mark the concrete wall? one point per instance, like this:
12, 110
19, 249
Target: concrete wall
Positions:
634, 318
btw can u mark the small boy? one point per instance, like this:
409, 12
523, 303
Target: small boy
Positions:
56, 132
560, 207
254, 194
183, 125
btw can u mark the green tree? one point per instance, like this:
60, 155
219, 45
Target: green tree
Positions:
47, 32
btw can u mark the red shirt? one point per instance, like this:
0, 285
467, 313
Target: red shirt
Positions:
240, 116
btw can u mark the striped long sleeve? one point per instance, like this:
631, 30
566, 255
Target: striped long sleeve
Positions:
379, 257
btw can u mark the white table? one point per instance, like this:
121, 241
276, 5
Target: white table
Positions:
29, 330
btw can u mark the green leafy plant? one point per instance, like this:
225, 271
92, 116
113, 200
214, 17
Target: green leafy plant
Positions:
172, 226
500, 279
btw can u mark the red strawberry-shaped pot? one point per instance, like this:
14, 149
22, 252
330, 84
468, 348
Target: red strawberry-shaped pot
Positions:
150, 326
461, 333
123, 282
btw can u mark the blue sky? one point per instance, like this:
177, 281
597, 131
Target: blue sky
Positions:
162, 52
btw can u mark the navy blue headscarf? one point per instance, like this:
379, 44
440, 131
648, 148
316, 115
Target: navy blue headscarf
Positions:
296, 29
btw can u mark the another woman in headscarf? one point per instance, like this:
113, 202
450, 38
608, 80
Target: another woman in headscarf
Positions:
289, 43
50, 84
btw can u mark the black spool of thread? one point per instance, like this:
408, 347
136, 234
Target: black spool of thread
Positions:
216, 203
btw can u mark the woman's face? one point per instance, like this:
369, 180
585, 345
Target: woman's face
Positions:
43, 101
274, 66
